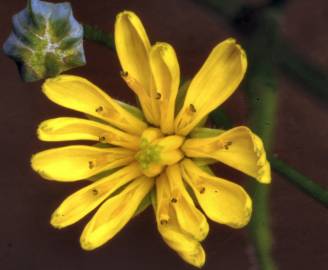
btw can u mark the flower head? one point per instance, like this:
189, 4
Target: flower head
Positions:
155, 155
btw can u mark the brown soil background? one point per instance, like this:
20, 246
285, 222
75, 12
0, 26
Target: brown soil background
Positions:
299, 224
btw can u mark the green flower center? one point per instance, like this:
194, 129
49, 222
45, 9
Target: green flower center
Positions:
157, 151
148, 154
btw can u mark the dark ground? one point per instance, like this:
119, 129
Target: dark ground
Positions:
299, 224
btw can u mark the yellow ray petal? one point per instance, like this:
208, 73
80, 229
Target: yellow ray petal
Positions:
186, 247
133, 47
114, 214
181, 242
237, 147
77, 162
166, 74
189, 218
70, 129
79, 94
222, 201
148, 104
213, 84
82, 202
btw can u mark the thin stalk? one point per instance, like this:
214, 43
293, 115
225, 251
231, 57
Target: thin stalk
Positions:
99, 36
261, 89
263, 118
312, 78
302, 182
244, 18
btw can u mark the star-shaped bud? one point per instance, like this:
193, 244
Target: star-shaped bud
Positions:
45, 41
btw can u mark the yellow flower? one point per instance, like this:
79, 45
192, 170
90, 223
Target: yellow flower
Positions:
157, 152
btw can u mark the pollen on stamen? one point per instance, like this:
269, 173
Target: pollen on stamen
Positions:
91, 165
99, 109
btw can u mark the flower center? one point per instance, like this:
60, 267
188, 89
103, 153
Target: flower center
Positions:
156, 151
148, 154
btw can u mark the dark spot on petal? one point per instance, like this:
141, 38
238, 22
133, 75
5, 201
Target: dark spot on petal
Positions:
192, 108
102, 138
91, 165
163, 222
99, 109
124, 73
174, 200
202, 190
227, 145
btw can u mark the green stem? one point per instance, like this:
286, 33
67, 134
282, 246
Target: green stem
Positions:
263, 117
313, 79
261, 86
302, 182
98, 36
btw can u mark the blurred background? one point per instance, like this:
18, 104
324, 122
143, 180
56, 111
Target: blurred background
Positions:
280, 37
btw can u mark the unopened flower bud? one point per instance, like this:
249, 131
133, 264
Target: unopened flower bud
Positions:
46, 40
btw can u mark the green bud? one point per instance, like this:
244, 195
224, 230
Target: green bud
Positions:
46, 40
